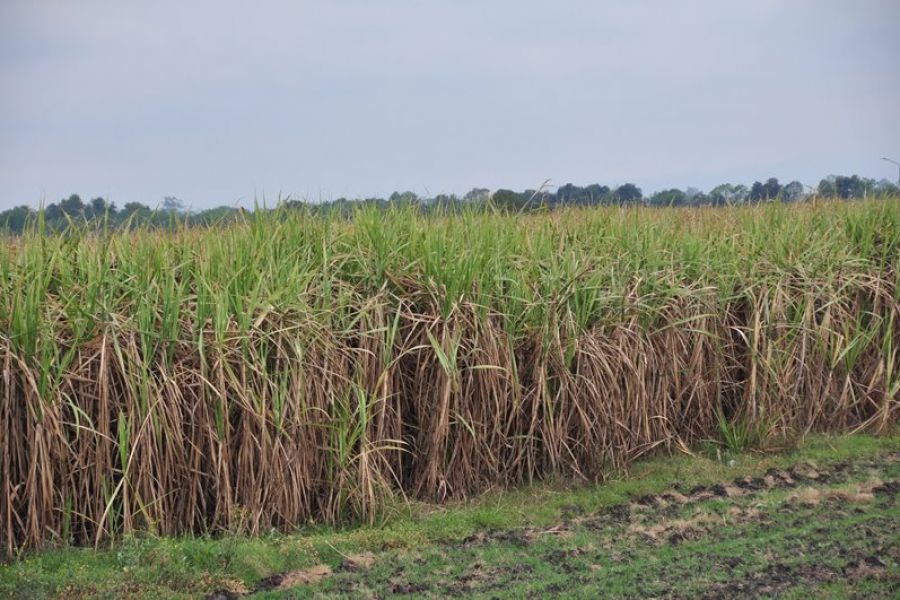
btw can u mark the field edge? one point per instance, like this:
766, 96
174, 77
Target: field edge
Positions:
144, 566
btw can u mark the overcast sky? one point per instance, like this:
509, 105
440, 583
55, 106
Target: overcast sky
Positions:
220, 102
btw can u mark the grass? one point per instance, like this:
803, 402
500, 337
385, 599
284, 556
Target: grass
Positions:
292, 368
426, 540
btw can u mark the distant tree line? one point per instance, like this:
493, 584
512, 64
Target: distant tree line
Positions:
100, 213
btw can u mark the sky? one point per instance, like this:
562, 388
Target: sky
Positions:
227, 103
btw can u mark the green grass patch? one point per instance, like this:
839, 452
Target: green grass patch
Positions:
191, 567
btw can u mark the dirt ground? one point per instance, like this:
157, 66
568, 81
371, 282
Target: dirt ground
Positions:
811, 530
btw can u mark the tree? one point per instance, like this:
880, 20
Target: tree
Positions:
826, 187
843, 186
628, 193
757, 191
212, 216
597, 193
445, 203
848, 187
695, 196
135, 211
769, 190
172, 204
671, 197
508, 200
792, 191
15, 219
477, 195
569, 194
724, 194
886, 187
72, 205
98, 208
772, 188
404, 198
538, 198
583, 196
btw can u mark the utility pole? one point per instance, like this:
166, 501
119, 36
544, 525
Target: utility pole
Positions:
898, 167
